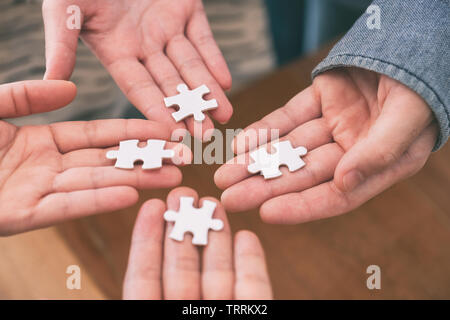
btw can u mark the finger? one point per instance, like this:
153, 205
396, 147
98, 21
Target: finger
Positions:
23, 98
97, 157
73, 135
193, 70
60, 40
139, 87
181, 266
200, 130
217, 270
254, 191
311, 135
58, 207
387, 139
144, 271
252, 278
86, 178
167, 78
199, 33
162, 70
302, 108
326, 200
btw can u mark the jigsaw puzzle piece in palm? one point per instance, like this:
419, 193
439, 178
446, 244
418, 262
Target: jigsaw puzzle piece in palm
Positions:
197, 221
269, 163
190, 103
265, 162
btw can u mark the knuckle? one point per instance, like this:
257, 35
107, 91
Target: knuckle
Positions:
287, 116
20, 100
205, 39
415, 161
185, 262
386, 157
250, 277
343, 202
97, 176
190, 64
90, 131
136, 87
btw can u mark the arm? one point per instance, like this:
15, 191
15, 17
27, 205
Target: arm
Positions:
412, 46
57, 172
148, 47
376, 109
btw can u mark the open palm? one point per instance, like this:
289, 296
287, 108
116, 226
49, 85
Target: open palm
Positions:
363, 131
162, 268
56, 172
148, 46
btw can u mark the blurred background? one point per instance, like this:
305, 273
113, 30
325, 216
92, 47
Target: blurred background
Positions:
271, 47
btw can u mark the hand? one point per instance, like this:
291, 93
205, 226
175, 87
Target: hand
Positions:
148, 46
57, 172
363, 131
160, 267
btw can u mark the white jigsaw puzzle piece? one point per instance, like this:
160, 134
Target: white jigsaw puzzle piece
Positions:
129, 152
198, 221
269, 163
190, 103
265, 162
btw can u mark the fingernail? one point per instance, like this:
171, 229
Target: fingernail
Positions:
352, 179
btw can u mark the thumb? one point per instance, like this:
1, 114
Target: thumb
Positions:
403, 117
62, 23
26, 97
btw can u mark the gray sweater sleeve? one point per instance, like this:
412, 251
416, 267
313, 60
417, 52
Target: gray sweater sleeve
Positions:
411, 44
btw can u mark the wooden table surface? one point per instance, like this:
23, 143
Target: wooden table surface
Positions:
405, 230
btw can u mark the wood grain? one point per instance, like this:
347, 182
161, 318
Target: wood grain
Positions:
33, 266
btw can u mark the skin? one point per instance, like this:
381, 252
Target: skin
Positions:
148, 46
57, 172
162, 268
364, 132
